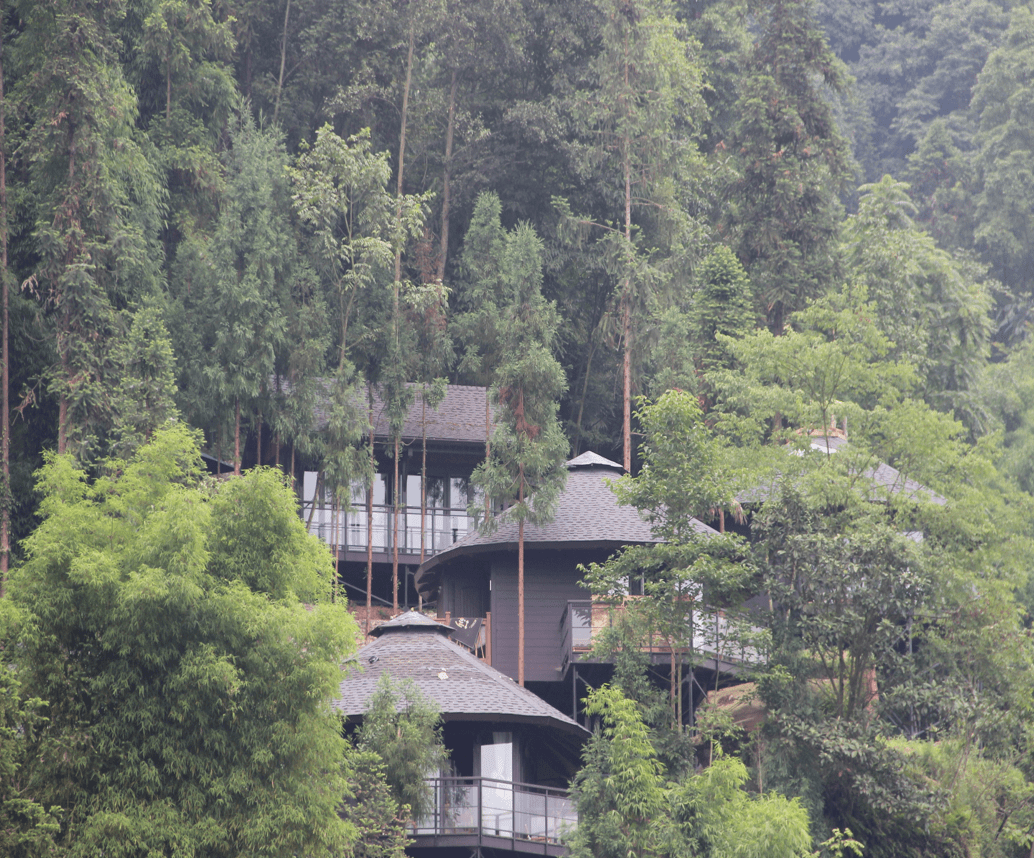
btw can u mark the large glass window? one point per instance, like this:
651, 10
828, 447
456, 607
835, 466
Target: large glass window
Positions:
496, 764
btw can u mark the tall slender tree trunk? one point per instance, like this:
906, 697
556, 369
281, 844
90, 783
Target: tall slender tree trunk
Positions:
520, 586
258, 441
395, 308
66, 329
369, 520
488, 447
334, 546
237, 436
402, 147
423, 473
168, 81
5, 420
283, 62
626, 295
626, 426
395, 534
62, 416
443, 251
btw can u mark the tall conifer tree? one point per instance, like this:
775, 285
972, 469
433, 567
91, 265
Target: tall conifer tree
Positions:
526, 471
94, 195
790, 159
639, 102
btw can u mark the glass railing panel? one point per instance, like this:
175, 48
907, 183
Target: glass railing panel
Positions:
581, 624
496, 808
351, 531
529, 815
728, 636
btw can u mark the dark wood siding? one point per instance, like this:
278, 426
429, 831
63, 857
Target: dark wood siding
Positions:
550, 580
464, 592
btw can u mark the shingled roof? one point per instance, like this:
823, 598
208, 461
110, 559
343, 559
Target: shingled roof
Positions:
413, 646
587, 512
460, 417
587, 515
882, 474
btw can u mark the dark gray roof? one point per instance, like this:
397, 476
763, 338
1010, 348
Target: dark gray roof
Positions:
459, 417
463, 687
587, 515
411, 621
882, 475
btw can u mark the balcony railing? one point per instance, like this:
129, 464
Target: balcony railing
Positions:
349, 531
713, 633
482, 807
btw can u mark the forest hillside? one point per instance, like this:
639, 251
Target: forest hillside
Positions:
689, 234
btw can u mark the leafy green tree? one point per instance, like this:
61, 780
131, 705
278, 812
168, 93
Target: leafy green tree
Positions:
914, 64
1003, 100
341, 196
932, 307
478, 324
790, 161
722, 305
178, 60
628, 806
369, 805
688, 474
5, 344
95, 200
144, 400
872, 578
620, 790
185, 696
404, 729
636, 109
242, 284
831, 364
525, 472
482, 292
872, 639
941, 179
27, 828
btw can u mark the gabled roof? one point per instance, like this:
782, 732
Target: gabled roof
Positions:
459, 417
882, 475
588, 515
415, 647
883, 478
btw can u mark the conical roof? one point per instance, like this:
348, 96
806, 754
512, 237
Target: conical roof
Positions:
410, 621
588, 515
463, 687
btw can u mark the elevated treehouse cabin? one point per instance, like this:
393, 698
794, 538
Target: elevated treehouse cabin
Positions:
511, 755
453, 435
476, 579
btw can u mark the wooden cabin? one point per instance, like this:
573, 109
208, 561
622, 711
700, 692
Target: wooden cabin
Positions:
446, 443
476, 577
511, 755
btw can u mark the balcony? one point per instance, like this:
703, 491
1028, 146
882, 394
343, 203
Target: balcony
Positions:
349, 531
481, 812
723, 640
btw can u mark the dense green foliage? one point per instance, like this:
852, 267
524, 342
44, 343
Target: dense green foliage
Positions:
629, 807
172, 645
805, 215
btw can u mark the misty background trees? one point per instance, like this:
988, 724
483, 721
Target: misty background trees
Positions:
801, 215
